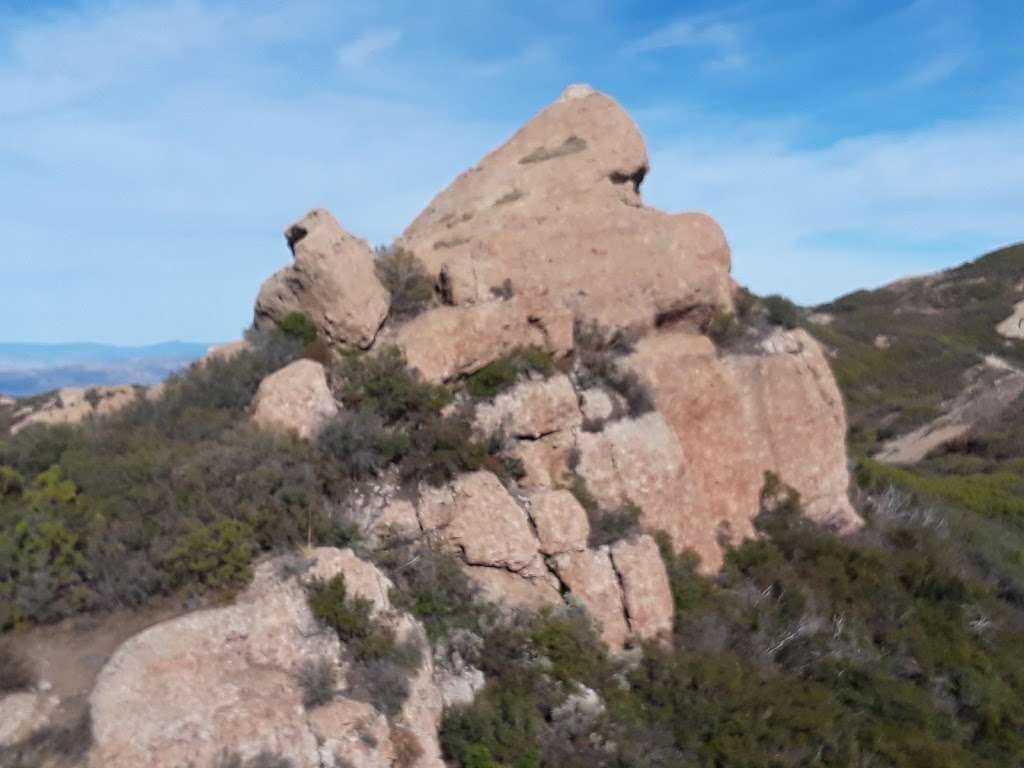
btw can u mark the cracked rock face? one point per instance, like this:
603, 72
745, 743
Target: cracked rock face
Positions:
332, 281
186, 690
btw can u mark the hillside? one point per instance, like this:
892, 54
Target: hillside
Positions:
32, 369
499, 497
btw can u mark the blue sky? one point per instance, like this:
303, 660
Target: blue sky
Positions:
152, 151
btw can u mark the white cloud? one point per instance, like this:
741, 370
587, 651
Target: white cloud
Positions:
357, 53
817, 222
722, 41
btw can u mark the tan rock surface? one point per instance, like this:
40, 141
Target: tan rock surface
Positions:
556, 210
353, 732
590, 577
332, 281
449, 341
645, 587
73, 405
546, 460
476, 515
296, 398
190, 688
227, 351
531, 409
1013, 326
734, 418
21, 714
532, 591
560, 521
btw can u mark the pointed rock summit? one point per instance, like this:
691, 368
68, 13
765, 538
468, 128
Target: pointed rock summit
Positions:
556, 212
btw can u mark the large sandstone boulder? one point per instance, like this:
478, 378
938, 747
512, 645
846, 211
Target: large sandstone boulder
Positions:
296, 398
187, 690
556, 211
332, 281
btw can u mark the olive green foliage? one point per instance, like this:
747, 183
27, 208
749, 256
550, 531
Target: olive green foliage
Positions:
381, 383
176, 493
781, 311
501, 374
395, 417
299, 326
349, 617
431, 584
596, 364
892, 646
215, 556
937, 329
381, 665
406, 279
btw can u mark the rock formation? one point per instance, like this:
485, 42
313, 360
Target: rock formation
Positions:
72, 405
224, 681
546, 237
550, 230
332, 281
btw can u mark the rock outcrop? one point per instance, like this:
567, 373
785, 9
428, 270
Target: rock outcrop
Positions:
296, 398
332, 281
548, 237
73, 405
224, 681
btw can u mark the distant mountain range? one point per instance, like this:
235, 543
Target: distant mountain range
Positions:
29, 369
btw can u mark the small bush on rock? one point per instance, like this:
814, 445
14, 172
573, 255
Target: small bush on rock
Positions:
382, 383
501, 374
318, 682
781, 311
596, 365
406, 279
299, 326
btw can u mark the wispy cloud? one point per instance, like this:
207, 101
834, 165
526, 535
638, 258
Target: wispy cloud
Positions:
356, 54
721, 41
817, 222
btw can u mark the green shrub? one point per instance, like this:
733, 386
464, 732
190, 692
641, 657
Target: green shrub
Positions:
217, 556
781, 311
299, 326
501, 374
381, 383
361, 444
349, 618
406, 279
431, 584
